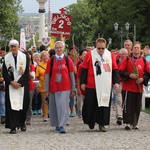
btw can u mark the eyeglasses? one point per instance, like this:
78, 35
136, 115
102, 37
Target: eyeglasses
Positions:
100, 48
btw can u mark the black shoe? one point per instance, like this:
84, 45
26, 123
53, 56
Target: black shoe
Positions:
119, 121
102, 128
91, 126
13, 131
3, 119
23, 128
127, 127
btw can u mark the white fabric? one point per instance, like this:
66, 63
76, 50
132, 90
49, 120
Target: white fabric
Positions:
16, 98
16, 95
57, 56
103, 82
13, 43
33, 74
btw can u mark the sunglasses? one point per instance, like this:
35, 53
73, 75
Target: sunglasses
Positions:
100, 48
13, 46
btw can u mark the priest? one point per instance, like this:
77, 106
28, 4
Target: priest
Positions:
99, 71
16, 75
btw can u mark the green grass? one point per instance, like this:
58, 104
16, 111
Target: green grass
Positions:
147, 110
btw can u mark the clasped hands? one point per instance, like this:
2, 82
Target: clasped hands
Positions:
136, 77
15, 85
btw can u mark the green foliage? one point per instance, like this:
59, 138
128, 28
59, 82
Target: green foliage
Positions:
82, 26
97, 17
9, 17
147, 110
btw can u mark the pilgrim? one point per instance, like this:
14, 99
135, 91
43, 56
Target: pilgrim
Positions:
99, 71
135, 72
16, 76
60, 83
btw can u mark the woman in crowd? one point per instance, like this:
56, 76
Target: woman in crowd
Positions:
73, 55
36, 101
80, 93
40, 70
135, 71
31, 87
59, 81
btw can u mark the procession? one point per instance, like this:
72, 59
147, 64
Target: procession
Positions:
59, 93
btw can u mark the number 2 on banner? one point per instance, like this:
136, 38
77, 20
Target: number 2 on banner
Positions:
61, 22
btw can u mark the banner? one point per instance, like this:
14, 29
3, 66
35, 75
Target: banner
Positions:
61, 25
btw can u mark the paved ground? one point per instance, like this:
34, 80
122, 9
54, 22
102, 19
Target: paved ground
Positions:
40, 136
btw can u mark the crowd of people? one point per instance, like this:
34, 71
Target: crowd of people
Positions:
86, 82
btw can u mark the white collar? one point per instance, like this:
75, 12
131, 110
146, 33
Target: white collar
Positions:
62, 55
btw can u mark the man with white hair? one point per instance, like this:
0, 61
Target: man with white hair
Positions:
117, 93
16, 76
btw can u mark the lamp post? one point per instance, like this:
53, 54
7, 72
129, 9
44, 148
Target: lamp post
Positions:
121, 31
133, 34
127, 26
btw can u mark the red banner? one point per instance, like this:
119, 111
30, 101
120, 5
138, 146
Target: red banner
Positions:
61, 25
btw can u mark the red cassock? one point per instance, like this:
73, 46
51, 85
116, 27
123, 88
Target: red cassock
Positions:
141, 67
87, 64
59, 67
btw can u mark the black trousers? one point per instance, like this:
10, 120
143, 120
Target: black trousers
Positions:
91, 112
131, 107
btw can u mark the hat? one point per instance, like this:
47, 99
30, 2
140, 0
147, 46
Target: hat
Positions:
13, 43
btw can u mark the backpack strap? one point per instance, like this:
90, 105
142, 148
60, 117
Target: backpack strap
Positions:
42, 67
67, 61
51, 65
117, 61
144, 59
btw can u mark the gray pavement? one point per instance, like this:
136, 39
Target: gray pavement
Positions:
40, 136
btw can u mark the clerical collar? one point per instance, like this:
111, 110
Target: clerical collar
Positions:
14, 55
61, 56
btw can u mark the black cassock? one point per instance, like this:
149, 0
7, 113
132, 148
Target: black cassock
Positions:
16, 118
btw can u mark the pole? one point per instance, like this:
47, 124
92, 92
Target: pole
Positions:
134, 34
121, 35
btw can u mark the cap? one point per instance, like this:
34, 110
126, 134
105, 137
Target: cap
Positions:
13, 43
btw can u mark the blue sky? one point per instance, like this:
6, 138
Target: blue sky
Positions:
32, 6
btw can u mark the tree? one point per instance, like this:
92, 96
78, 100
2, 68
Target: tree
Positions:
83, 24
9, 17
97, 17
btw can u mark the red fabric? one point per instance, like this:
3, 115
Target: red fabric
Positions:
117, 56
65, 83
87, 64
75, 65
31, 83
79, 75
130, 84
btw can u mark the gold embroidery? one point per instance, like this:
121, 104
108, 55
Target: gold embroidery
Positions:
15, 103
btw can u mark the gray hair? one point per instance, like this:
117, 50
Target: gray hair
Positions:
36, 54
128, 41
123, 50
